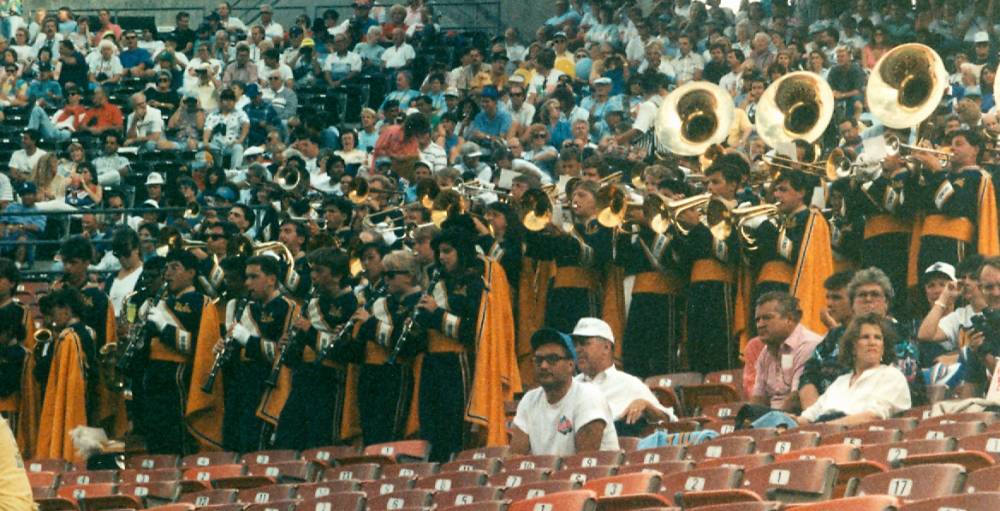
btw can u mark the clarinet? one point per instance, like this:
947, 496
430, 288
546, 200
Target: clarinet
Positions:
228, 348
137, 337
407, 331
290, 341
343, 333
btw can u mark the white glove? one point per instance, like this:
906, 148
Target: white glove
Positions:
241, 334
158, 317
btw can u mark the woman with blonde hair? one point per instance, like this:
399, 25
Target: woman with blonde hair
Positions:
47, 179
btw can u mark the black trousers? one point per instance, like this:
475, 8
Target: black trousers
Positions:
165, 386
890, 253
710, 344
444, 384
384, 393
652, 335
243, 394
566, 305
311, 416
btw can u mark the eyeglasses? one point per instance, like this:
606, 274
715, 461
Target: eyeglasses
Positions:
549, 359
164, 80
865, 295
540, 135
392, 273
215, 236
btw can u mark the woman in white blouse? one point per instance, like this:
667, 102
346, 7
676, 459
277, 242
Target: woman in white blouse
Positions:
875, 389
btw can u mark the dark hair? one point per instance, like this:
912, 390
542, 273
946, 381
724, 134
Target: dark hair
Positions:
838, 280
544, 336
415, 124
730, 173
32, 133
971, 264
247, 212
9, 271
788, 304
186, 259
973, 138
76, 247
333, 259
124, 240
798, 180
300, 229
67, 296
268, 265
738, 53
853, 332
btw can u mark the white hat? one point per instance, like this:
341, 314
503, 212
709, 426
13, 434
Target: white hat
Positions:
516, 79
154, 178
604, 80
941, 267
451, 91
253, 150
593, 327
151, 203
981, 37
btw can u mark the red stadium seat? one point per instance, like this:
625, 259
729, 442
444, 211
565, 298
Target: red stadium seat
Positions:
205, 459
983, 480
593, 459
863, 503
539, 488
724, 410
988, 443
946, 430
79, 491
42, 479
951, 418
756, 434
501, 451
701, 479
265, 494
903, 424
630, 491
400, 499
359, 472
88, 477
493, 505
103, 502
657, 454
152, 493
548, 462
344, 501
410, 470
328, 455
466, 496
893, 452
863, 437
446, 481
175, 507
576, 500
385, 486
721, 447
132, 475
788, 442
971, 460
697, 397
674, 379
740, 506
403, 451
265, 457
202, 477
823, 428
663, 467
797, 480
970, 502
287, 471
583, 474
322, 489
839, 453
210, 497
151, 461
915, 483
513, 478
489, 465
744, 461
283, 505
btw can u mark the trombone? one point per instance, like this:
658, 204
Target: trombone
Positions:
837, 165
893, 147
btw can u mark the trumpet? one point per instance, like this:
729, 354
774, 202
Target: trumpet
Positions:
675, 209
722, 218
894, 146
537, 205
837, 165
472, 190
291, 179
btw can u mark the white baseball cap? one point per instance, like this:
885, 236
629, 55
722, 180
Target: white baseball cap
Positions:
593, 327
981, 37
943, 268
154, 178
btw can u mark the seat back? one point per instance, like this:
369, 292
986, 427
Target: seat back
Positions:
915, 483
626, 484
839, 453
946, 430
453, 480
462, 496
416, 450
576, 500
539, 488
804, 477
205, 459
988, 443
788, 442
357, 472
702, 479
151, 461
344, 501
593, 459
400, 499
893, 452
968, 501
210, 497
514, 478
983, 480
422, 469
583, 474
663, 467
863, 437
545, 461
500, 451
271, 456
489, 465
657, 454
330, 453
265, 494
722, 447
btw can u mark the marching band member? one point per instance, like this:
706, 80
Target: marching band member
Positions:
182, 325
793, 252
960, 204
387, 388
18, 390
68, 370
295, 235
257, 331
306, 421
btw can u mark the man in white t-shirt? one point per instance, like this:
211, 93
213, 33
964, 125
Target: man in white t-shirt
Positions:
562, 416
632, 403
944, 322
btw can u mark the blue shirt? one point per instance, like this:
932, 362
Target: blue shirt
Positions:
494, 127
17, 207
39, 89
256, 113
403, 96
556, 21
132, 58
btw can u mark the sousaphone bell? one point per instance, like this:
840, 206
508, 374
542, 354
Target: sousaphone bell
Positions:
798, 105
693, 117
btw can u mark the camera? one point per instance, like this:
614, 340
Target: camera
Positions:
988, 323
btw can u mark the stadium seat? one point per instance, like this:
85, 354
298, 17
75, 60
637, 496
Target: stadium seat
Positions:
210, 497
756, 434
583, 474
489, 465
903, 424
891, 453
88, 477
988, 443
160, 492
175, 507
205, 459
265, 494
539, 488
325, 488
43, 479
744, 461
674, 379
576, 500
446, 481
545, 461
697, 397
724, 410
298, 471
663, 467
788, 442
110, 502
593, 459
721, 447
741, 506
51, 502
132, 475
500, 451
513, 478
328, 455
839, 453
733, 377
630, 491
701, 479
344, 501
945, 430
863, 437
272, 456
493, 505
628, 443
789, 481
384, 486
823, 428
400, 499
79, 491
410, 469
983, 480
151, 461
282, 505
202, 477
918, 412
915, 483
466, 496
403, 451
657, 454
971, 460
966, 502
359, 472
863, 503
951, 418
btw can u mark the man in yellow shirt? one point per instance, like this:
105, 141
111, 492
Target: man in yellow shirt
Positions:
564, 58
15, 490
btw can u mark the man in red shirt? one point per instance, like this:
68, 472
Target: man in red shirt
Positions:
101, 117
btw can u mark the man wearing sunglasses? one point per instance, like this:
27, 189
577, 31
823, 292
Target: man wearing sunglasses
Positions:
562, 416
